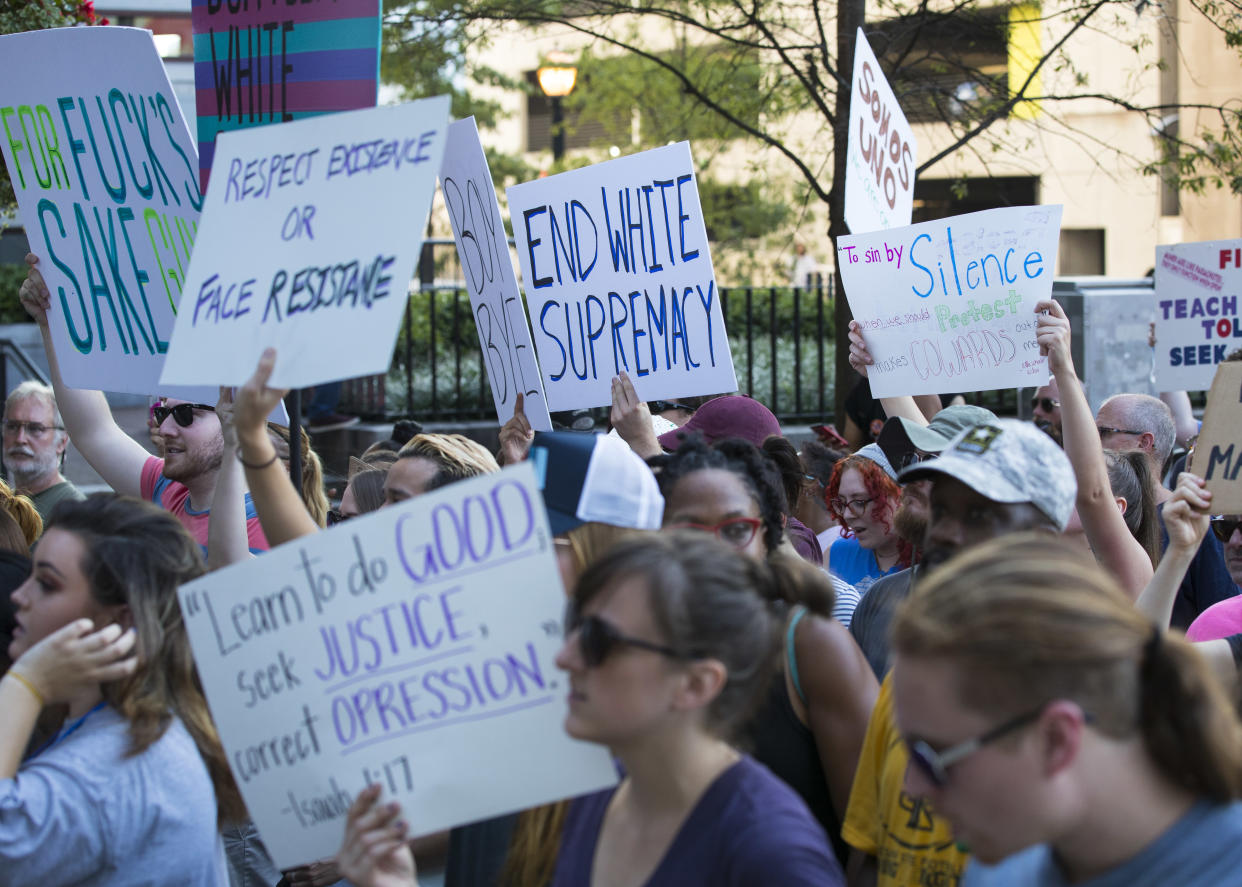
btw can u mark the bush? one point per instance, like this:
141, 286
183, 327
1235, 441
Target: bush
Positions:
11, 310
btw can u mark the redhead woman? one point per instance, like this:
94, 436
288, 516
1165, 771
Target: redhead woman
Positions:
862, 496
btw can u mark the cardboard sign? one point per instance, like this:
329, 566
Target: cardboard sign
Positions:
412, 647
1217, 456
495, 300
106, 181
1198, 320
307, 243
950, 305
618, 276
258, 63
882, 152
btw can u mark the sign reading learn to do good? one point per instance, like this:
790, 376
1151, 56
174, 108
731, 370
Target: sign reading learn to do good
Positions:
1198, 320
618, 277
104, 171
411, 648
950, 305
309, 236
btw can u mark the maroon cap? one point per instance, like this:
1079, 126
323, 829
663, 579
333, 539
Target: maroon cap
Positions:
734, 415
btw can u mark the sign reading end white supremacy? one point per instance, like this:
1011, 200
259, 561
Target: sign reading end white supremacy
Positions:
308, 239
414, 648
618, 277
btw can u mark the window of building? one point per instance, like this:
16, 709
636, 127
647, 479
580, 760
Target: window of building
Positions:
1081, 251
941, 198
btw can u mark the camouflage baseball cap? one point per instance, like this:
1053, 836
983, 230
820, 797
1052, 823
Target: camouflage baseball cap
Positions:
1007, 461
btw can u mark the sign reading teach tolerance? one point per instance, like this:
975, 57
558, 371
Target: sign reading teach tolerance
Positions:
414, 648
308, 240
104, 171
950, 305
1198, 321
619, 277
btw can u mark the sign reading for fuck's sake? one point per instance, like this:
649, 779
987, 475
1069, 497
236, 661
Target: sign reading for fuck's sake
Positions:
411, 648
308, 239
950, 305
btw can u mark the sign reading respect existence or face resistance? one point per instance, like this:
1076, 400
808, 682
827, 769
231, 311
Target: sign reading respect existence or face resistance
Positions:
1217, 456
950, 305
1198, 320
284, 258
105, 175
495, 300
414, 648
618, 276
879, 170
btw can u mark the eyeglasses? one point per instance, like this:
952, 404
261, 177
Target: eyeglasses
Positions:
182, 413
1105, 431
598, 639
1225, 527
850, 506
1047, 404
33, 429
935, 765
335, 517
736, 531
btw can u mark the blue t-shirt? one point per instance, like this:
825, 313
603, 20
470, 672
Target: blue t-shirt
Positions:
1202, 849
855, 564
748, 830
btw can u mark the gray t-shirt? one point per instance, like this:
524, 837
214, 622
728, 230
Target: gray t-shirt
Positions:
1202, 849
874, 614
82, 812
46, 501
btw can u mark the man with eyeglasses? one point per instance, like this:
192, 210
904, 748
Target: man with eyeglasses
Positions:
34, 447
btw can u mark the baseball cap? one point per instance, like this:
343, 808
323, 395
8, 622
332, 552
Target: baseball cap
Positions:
733, 415
1007, 461
879, 457
594, 477
900, 436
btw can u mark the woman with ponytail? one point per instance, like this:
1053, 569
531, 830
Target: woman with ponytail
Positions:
1066, 739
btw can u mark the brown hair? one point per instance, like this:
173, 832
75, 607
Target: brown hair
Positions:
1029, 618
1129, 476
313, 496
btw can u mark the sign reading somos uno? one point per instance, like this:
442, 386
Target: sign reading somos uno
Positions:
104, 171
1198, 320
309, 237
618, 276
414, 648
1217, 455
950, 305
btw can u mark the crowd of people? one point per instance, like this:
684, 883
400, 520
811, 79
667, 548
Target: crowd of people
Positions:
974, 650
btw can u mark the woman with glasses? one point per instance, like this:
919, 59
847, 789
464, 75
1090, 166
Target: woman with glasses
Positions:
1065, 738
862, 496
668, 649
815, 715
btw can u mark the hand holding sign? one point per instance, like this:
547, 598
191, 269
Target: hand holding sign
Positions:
1052, 332
374, 852
1187, 514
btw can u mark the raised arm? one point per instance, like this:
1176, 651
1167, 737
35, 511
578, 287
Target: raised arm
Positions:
227, 540
1186, 517
914, 409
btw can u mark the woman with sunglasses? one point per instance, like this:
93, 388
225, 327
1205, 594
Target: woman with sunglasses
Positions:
1064, 736
669, 648
815, 715
862, 496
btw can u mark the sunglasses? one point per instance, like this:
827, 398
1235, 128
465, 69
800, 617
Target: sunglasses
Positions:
914, 457
335, 517
935, 765
597, 640
182, 413
1225, 527
1047, 404
736, 531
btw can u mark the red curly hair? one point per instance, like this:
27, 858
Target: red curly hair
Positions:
881, 488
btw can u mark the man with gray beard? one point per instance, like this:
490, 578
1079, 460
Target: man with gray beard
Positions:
34, 447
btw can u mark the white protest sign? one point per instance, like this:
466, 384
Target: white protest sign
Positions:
309, 236
496, 302
618, 276
1197, 318
413, 647
882, 152
106, 179
950, 305
1217, 455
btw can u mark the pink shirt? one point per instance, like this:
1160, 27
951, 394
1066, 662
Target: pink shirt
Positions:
175, 497
1218, 621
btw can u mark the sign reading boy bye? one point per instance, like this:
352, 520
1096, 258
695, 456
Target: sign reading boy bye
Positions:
618, 277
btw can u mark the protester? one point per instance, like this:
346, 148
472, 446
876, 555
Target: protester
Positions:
862, 496
785, 457
364, 487
34, 446
135, 786
1046, 409
1134, 495
1066, 738
809, 506
668, 650
25, 514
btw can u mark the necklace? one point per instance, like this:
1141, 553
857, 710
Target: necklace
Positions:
66, 731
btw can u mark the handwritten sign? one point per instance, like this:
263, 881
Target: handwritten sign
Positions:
257, 63
1197, 317
413, 648
103, 167
495, 300
618, 276
1217, 456
882, 152
950, 305
308, 241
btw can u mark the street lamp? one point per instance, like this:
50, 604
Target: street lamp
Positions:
556, 78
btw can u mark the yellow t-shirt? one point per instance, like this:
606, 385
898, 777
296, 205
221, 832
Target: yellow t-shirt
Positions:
913, 848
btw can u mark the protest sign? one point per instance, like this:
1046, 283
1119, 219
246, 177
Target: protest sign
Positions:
103, 167
618, 276
495, 300
1197, 316
258, 63
881, 153
307, 243
1217, 456
414, 648
950, 305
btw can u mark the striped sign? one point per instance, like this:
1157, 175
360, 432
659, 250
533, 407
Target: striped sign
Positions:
259, 62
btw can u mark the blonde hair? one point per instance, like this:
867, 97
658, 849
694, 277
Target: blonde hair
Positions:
22, 509
456, 457
313, 496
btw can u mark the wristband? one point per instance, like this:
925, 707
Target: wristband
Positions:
25, 682
261, 465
